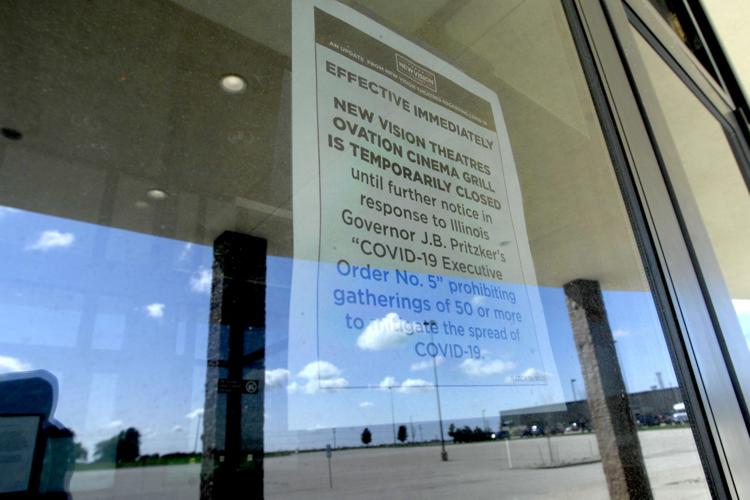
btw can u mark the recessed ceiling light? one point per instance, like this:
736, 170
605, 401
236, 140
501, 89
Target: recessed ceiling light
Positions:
140, 204
233, 84
156, 194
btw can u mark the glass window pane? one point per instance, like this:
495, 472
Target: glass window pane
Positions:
716, 184
156, 306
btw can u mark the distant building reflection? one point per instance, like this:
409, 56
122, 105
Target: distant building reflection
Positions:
648, 408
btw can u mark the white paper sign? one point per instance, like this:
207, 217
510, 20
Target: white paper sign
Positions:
411, 258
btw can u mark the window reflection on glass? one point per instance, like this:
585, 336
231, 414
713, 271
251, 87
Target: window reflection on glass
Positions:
714, 177
134, 155
142, 337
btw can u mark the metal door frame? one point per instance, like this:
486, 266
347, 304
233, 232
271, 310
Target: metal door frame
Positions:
701, 326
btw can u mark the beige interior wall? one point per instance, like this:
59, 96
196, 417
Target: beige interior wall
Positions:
731, 21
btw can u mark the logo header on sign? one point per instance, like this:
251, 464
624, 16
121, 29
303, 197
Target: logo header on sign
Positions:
416, 73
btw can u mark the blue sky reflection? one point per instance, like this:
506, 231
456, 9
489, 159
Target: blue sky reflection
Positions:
121, 318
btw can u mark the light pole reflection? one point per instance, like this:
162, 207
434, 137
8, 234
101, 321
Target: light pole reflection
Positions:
393, 415
573, 387
198, 431
443, 453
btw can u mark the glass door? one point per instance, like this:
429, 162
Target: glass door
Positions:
696, 134
709, 159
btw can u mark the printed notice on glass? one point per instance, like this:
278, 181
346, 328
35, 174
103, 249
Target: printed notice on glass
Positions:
18, 435
411, 258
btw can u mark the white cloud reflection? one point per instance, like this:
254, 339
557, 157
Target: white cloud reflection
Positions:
200, 282
427, 364
409, 385
7, 211
52, 239
114, 424
319, 375
485, 368
198, 412
9, 364
155, 310
385, 333
276, 377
